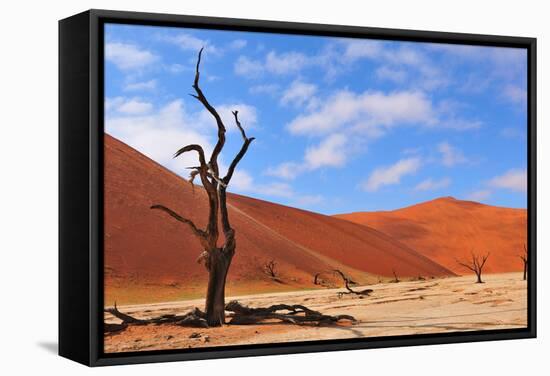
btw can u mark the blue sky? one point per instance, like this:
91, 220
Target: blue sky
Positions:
341, 125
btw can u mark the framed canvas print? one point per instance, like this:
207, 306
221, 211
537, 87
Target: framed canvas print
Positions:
238, 187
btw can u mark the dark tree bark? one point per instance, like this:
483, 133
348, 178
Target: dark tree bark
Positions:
476, 265
217, 260
296, 314
525, 260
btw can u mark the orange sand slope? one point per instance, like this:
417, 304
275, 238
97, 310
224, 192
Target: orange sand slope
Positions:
151, 257
447, 229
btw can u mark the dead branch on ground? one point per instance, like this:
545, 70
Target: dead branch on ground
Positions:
347, 282
291, 314
241, 315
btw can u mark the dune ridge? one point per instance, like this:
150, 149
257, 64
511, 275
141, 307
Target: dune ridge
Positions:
446, 230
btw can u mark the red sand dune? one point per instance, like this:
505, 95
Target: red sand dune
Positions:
447, 229
151, 257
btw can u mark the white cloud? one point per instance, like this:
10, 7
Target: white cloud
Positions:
275, 63
298, 93
499, 65
243, 182
248, 67
357, 49
286, 170
392, 174
238, 44
423, 73
141, 86
128, 106
450, 155
270, 89
333, 151
285, 63
177, 68
128, 56
160, 134
515, 94
188, 42
390, 74
480, 195
432, 185
514, 179
330, 152
369, 113
135, 106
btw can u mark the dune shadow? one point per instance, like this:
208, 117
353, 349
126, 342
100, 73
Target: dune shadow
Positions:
51, 347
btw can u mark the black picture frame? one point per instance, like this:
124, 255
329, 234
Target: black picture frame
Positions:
81, 183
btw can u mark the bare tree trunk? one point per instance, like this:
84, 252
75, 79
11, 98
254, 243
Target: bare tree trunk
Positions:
479, 278
524, 258
219, 262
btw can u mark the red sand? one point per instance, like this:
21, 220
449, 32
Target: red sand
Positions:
447, 229
151, 257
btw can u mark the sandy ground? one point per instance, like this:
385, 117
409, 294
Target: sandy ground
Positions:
430, 306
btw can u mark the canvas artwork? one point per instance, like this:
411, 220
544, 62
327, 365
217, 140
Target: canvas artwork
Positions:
264, 188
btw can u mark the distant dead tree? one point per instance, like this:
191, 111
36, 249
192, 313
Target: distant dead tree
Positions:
270, 269
347, 282
316, 280
525, 260
395, 279
476, 265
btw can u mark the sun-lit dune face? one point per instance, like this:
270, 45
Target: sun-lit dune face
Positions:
447, 229
151, 257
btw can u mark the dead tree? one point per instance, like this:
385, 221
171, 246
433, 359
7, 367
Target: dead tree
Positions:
395, 279
525, 260
476, 265
316, 280
348, 282
216, 259
269, 269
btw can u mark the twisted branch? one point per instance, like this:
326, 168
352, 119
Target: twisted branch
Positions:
296, 314
201, 234
221, 127
348, 282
